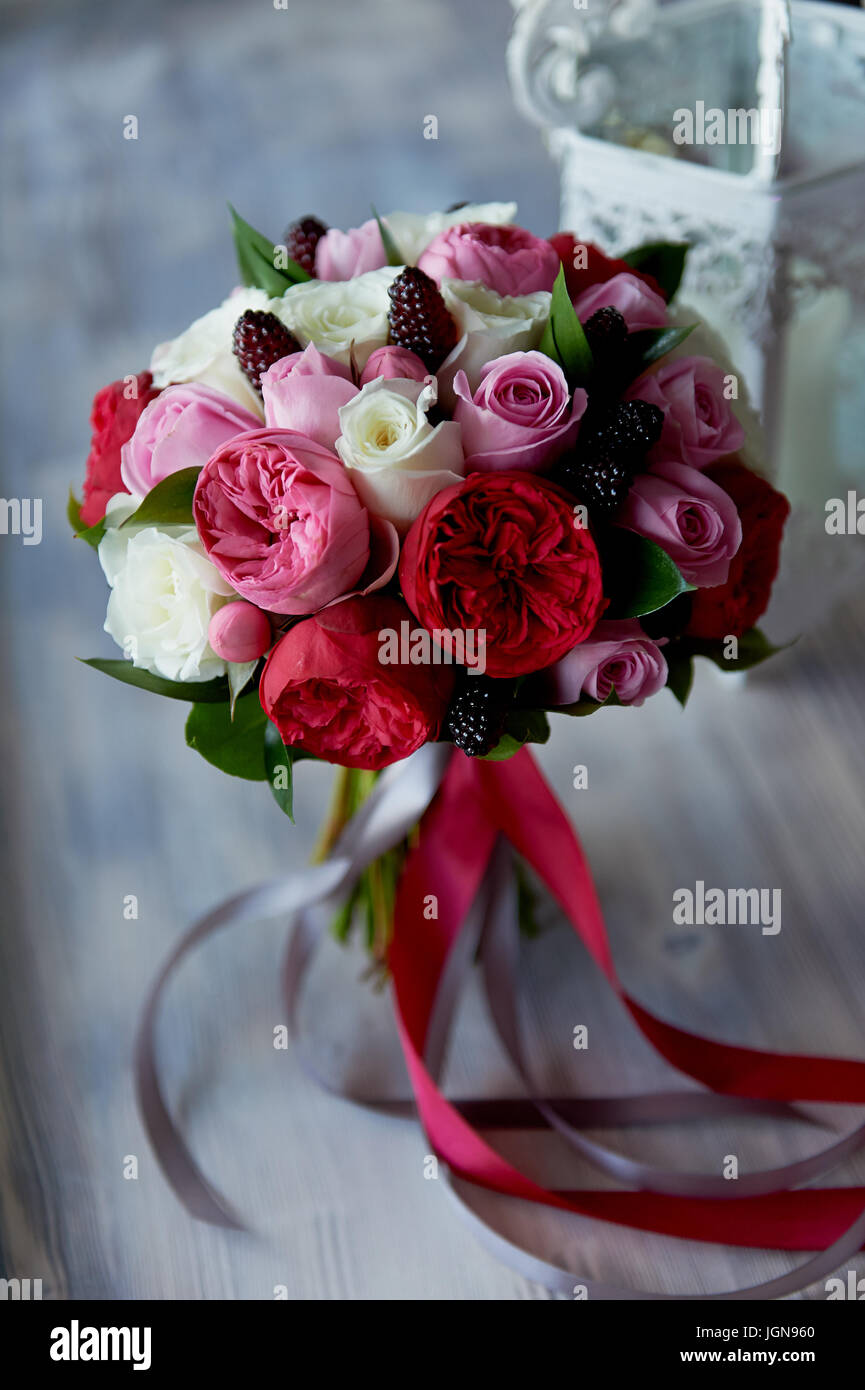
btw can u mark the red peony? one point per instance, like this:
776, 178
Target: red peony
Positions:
599, 268
500, 553
732, 608
327, 690
113, 417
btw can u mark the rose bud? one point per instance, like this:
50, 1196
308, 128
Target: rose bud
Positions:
239, 632
390, 362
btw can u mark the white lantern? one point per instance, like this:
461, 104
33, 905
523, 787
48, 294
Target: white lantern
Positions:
777, 260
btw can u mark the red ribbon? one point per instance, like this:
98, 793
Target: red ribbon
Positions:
477, 802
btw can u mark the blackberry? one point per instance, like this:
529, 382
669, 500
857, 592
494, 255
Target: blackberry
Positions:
476, 718
610, 449
419, 319
259, 340
600, 482
606, 331
300, 240
629, 428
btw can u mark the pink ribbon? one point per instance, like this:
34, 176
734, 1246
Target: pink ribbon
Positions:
461, 861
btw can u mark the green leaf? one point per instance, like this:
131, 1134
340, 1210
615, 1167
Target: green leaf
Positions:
586, 706
391, 250
215, 691
91, 534
257, 260
563, 338
239, 676
235, 746
665, 260
639, 577
680, 670
753, 647
650, 344
279, 762
169, 503
523, 726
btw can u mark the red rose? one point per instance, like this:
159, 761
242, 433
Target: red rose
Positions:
500, 553
113, 417
732, 608
327, 689
599, 268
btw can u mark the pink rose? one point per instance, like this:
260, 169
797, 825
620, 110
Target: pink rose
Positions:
393, 362
239, 631
699, 424
521, 415
281, 521
179, 429
615, 656
507, 259
304, 391
689, 517
639, 305
342, 255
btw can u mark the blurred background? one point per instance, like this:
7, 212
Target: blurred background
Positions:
108, 247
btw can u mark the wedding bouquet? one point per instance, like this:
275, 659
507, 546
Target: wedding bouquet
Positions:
406, 491
428, 479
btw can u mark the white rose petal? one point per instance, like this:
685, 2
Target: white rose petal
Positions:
204, 353
491, 325
164, 591
412, 231
398, 460
333, 314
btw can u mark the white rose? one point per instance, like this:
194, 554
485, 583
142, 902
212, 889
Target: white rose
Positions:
412, 231
398, 460
333, 314
490, 326
164, 591
204, 353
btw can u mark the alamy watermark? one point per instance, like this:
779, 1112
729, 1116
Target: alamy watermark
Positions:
421, 646
761, 126
21, 516
718, 907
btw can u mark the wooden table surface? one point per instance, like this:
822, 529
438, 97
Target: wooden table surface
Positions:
109, 246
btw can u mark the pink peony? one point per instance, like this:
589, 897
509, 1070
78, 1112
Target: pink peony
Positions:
616, 656
179, 429
328, 691
507, 259
521, 416
304, 391
636, 301
699, 424
689, 517
280, 520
